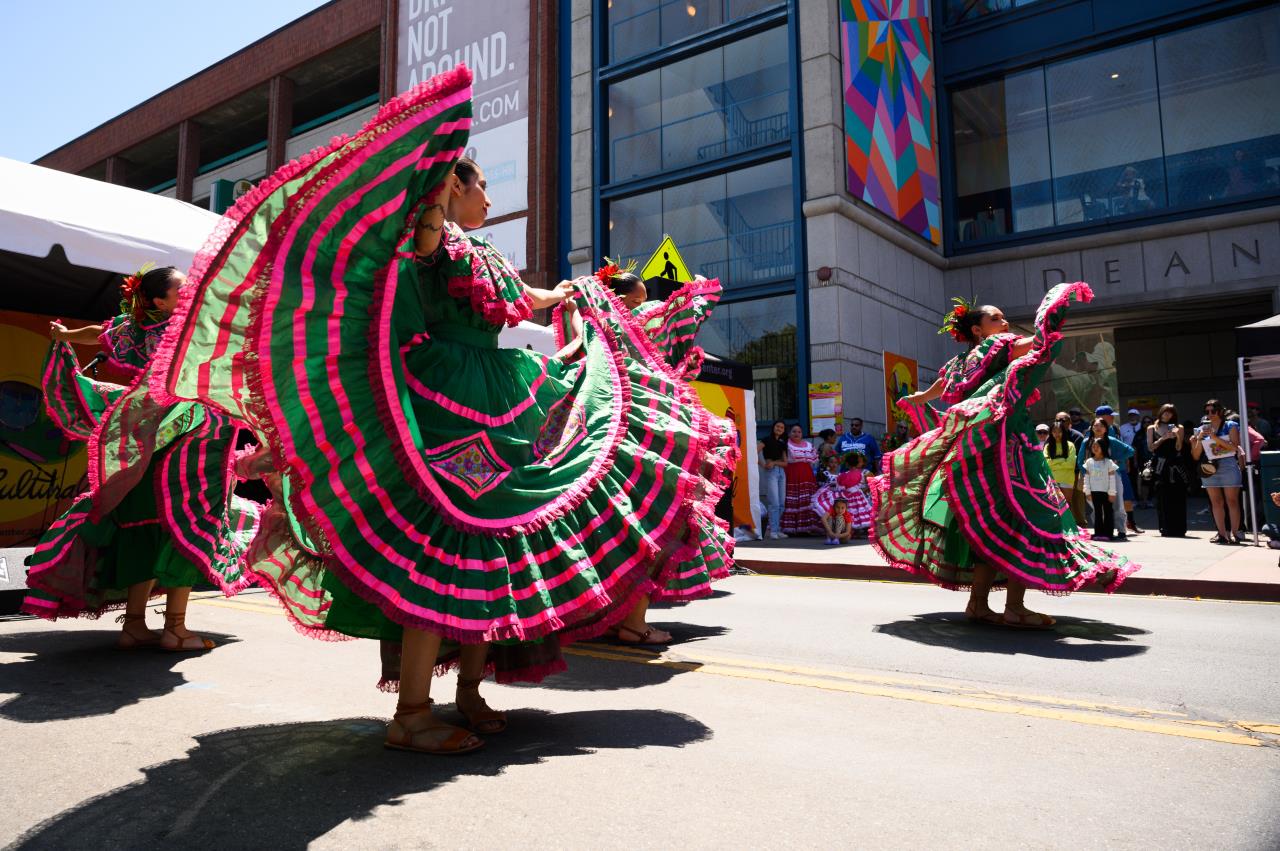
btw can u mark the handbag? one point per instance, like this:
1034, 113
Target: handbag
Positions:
1208, 468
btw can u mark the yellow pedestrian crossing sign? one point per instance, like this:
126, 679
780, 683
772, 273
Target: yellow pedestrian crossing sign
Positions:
667, 263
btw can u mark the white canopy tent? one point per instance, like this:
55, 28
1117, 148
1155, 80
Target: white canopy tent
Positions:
65, 239
1257, 357
99, 225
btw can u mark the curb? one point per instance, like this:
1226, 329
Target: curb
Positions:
1137, 585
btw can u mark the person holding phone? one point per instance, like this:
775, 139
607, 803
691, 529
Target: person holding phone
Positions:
1219, 436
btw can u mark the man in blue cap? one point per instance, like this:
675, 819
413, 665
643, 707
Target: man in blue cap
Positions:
1124, 508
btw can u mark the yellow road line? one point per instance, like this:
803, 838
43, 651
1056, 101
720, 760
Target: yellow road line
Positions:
897, 688
949, 696
972, 691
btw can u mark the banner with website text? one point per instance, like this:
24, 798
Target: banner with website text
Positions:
492, 39
40, 470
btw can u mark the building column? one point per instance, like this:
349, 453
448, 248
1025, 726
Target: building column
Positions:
389, 59
279, 121
188, 159
117, 170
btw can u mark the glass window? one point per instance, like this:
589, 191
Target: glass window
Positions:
961, 11
1220, 108
738, 227
1181, 121
761, 333
642, 26
1104, 132
724, 101
1003, 182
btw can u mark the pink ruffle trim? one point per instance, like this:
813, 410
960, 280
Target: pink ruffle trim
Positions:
479, 286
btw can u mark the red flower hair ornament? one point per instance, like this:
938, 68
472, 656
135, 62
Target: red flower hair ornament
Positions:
132, 301
951, 321
613, 268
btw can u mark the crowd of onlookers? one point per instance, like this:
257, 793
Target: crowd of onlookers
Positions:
1104, 467
820, 489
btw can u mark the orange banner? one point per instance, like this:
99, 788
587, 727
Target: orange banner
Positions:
900, 379
731, 403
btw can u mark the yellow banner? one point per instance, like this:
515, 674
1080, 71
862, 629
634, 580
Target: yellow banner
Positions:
40, 470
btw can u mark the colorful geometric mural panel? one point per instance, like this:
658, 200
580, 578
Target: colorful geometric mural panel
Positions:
889, 123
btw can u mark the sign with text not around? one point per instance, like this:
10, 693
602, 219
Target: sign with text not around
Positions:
667, 263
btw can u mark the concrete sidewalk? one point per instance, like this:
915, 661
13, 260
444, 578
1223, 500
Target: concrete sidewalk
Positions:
1175, 567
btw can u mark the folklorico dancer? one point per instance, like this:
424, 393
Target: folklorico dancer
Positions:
670, 325
971, 503
159, 511
479, 505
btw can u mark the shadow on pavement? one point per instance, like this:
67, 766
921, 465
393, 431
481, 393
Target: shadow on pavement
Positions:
628, 666
1079, 639
79, 674
716, 594
280, 786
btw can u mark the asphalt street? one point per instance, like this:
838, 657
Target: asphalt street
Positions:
791, 713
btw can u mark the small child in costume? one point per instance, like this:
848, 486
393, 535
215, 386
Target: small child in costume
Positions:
838, 523
848, 485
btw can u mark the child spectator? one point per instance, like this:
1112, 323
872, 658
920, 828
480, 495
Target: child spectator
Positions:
1100, 482
838, 523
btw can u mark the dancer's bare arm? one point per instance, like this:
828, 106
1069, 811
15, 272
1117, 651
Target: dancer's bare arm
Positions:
86, 336
934, 391
549, 298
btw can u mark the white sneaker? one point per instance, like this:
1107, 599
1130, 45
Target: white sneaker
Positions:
777, 536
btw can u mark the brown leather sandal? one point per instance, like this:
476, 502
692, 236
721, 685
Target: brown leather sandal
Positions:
648, 637
401, 738
1031, 620
487, 721
130, 640
174, 621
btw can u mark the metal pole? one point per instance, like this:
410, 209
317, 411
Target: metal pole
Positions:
1248, 448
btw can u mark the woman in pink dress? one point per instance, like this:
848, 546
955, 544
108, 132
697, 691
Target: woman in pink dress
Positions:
798, 516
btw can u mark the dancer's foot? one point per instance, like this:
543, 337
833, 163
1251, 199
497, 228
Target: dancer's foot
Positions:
1026, 619
134, 634
981, 614
414, 728
644, 635
178, 639
480, 718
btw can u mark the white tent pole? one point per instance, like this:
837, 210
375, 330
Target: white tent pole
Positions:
1248, 448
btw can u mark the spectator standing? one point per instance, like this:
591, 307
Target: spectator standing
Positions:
1076, 495
1075, 436
1099, 471
1078, 422
855, 438
1166, 440
1126, 491
1219, 434
1131, 428
826, 446
798, 516
1060, 452
1260, 423
1117, 450
773, 476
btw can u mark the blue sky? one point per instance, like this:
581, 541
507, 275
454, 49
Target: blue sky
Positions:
70, 65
